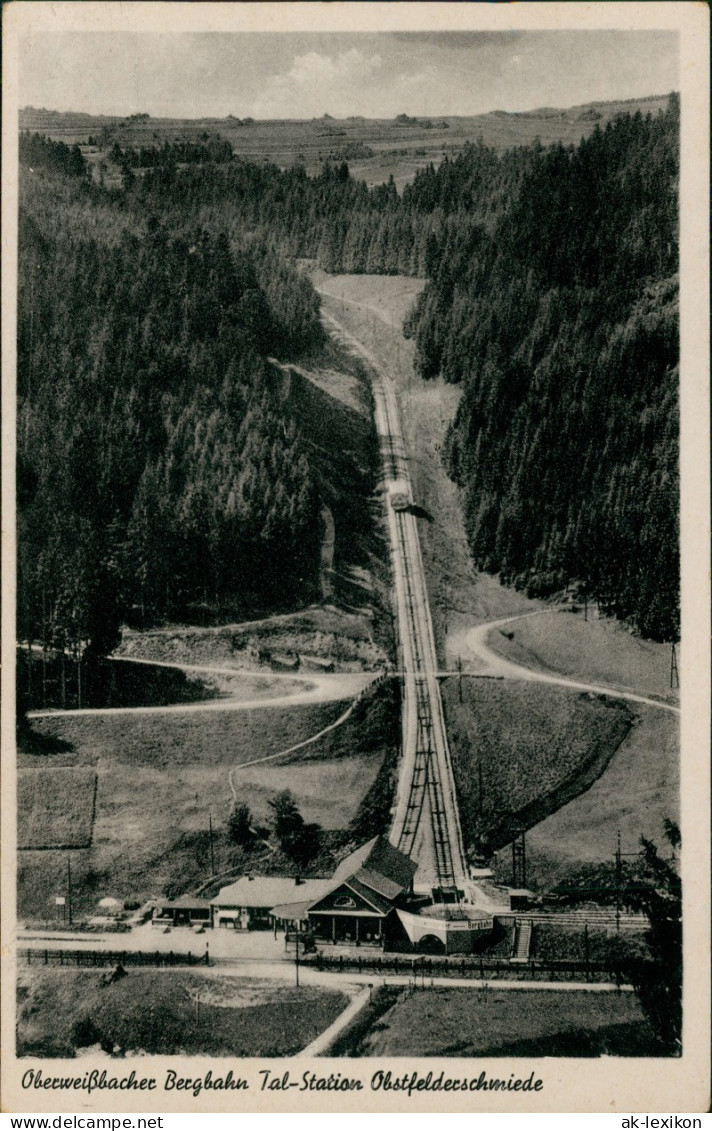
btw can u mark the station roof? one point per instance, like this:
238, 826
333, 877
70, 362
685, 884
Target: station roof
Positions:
268, 891
382, 862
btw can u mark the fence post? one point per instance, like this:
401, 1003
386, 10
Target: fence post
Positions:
46, 961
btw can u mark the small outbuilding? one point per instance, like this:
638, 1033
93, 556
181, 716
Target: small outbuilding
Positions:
187, 911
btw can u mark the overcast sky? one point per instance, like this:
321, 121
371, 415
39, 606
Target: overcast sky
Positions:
305, 75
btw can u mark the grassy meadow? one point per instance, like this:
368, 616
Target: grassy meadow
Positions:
160, 778
61, 1012
490, 1022
530, 747
55, 807
598, 650
638, 791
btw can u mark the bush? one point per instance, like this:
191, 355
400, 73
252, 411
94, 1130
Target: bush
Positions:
239, 824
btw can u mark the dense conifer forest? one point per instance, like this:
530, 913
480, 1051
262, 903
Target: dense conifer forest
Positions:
156, 464
157, 467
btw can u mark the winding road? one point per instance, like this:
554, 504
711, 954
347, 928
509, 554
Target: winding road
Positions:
497, 665
317, 688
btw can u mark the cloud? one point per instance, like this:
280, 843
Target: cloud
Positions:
317, 83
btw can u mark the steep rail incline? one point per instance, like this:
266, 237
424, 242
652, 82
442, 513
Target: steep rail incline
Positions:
426, 823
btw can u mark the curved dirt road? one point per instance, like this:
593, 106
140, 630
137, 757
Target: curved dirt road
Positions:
497, 665
317, 689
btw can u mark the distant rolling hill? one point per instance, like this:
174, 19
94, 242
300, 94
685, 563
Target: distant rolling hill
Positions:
375, 149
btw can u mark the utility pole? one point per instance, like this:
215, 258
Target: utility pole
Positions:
296, 952
32, 332
69, 890
480, 790
618, 881
459, 677
44, 650
212, 853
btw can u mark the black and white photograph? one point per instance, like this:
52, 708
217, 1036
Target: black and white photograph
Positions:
344, 428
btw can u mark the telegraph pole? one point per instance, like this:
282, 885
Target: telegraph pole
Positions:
618, 882
212, 853
296, 952
69, 890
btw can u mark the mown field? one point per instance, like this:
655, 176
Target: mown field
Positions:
162, 777
55, 808
61, 1012
476, 1023
527, 747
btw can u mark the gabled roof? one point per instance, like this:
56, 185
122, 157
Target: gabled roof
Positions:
372, 899
379, 856
377, 901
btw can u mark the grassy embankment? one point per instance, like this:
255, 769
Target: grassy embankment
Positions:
126, 684
61, 1012
529, 749
640, 788
477, 1023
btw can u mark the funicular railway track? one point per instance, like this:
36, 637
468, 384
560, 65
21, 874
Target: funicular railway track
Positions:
426, 823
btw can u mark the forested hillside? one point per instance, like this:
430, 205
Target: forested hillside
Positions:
562, 324
154, 458
553, 298
157, 465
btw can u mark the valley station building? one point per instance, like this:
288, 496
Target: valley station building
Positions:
357, 906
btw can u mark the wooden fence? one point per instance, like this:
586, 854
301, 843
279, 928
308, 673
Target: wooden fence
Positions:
34, 956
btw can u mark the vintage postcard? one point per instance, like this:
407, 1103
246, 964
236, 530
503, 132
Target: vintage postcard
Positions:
355, 557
